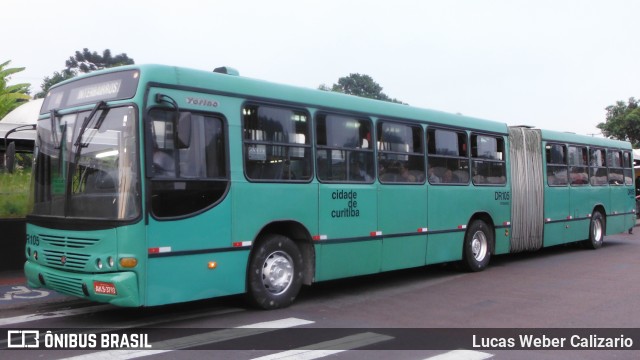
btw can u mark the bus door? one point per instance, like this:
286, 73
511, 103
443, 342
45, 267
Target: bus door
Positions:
188, 221
581, 198
629, 200
620, 185
452, 201
349, 237
402, 195
557, 214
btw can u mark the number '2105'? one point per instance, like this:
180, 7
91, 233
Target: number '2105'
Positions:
33, 240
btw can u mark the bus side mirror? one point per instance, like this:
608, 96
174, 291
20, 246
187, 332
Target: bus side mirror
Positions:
10, 154
184, 130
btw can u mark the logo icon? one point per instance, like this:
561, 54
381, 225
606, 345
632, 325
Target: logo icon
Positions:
63, 260
26, 339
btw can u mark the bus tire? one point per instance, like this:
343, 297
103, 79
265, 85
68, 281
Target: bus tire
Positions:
596, 231
477, 246
275, 272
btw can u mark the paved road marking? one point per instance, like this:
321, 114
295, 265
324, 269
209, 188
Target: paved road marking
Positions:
277, 324
462, 355
23, 292
196, 340
319, 350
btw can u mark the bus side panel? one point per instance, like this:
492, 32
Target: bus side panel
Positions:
257, 205
339, 260
178, 279
556, 212
348, 224
501, 200
630, 202
620, 206
449, 207
582, 204
179, 270
402, 210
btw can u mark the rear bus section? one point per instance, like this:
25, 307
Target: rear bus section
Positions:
568, 188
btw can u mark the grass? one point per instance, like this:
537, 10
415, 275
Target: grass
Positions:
14, 193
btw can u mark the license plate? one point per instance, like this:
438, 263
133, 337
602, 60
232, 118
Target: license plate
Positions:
100, 287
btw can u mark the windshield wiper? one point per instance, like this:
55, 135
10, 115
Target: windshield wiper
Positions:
78, 144
54, 129
86, 121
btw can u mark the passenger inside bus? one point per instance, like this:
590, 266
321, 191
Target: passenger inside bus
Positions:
449, 177
358, 174
405, 175
433, 177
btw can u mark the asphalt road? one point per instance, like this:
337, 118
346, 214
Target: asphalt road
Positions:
425, 313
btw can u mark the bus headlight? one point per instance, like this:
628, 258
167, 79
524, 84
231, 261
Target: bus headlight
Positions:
110, 261
99, 264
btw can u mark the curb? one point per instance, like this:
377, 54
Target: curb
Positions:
12, 278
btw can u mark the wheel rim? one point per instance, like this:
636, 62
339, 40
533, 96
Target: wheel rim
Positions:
479, 245
597, 230
277, 272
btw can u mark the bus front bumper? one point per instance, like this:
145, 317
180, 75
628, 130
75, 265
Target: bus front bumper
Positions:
117, 288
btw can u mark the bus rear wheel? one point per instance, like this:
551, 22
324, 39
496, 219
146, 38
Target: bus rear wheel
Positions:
596, 231
477, 246
275, 272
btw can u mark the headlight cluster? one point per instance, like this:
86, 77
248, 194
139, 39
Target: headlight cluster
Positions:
34, 253
109, 262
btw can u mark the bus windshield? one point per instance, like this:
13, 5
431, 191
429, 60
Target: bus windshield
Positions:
86, 165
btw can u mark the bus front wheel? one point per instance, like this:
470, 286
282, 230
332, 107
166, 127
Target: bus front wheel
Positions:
275, 272
596, 231
477, 246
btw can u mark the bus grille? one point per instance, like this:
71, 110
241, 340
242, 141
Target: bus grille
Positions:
67, 241
64, 284
65, 260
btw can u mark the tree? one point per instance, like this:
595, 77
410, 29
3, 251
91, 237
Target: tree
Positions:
84, 62
359, 85
11, 96
623, 121
87, 61
48, 82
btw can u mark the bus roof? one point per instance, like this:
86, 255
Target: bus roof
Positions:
254, 89
550, 135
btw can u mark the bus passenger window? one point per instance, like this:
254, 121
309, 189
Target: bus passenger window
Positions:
616, 173
598, 167
400, 153
578, 166
556, 156
628, 168
489, 165
344, 151
276, 144
448, 160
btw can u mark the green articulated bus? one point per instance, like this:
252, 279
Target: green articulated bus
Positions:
155, 185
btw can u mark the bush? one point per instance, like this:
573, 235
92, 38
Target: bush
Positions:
14, 193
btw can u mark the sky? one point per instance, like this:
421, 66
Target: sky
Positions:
552, 64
